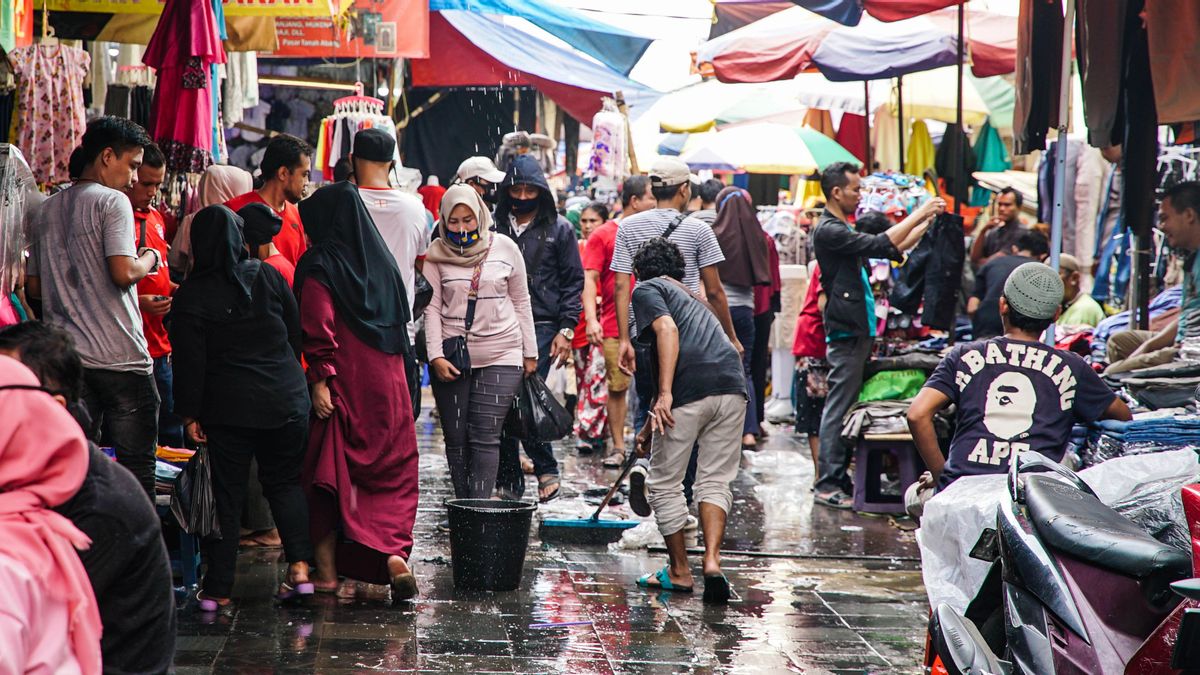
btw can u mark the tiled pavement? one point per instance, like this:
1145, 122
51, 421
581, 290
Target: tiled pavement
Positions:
853, 604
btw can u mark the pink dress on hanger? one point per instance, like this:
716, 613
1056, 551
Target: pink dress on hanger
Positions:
52, 117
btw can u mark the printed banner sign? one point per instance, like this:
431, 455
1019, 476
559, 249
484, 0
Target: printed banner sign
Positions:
376, 29
278, 8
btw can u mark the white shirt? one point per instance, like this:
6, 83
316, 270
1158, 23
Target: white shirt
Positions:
518, 229
400, 219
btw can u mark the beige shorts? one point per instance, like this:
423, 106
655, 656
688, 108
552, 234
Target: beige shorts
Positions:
617, 380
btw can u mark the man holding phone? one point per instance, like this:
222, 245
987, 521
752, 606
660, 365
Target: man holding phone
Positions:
1001, 231
154, 291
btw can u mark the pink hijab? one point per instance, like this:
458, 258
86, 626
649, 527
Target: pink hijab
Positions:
43, 459
218, 184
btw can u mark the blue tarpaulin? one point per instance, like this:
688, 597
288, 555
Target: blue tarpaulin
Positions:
615, 47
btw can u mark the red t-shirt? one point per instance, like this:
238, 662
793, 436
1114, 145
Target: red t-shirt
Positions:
290, 241
154, 284
598, 255
810, 326
286, 268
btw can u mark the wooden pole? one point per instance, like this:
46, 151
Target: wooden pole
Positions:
633, 163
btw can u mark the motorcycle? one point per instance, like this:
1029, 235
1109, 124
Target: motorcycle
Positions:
1075, 587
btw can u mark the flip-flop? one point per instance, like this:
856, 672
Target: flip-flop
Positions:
546, 481
663, 577
835, 500
289, 592
614, 460
716, 589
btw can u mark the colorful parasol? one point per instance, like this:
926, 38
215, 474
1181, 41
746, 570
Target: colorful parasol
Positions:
765, 147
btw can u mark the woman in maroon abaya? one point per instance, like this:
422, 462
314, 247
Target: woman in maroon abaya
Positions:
360, 473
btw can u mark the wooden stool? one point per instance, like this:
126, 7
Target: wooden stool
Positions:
868, 465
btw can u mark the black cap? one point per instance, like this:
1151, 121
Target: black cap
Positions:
374, 145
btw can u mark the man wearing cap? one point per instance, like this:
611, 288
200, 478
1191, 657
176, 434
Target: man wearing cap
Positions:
1079, 308
481, 173
849, 317
526, 211
1013, 393
398, 215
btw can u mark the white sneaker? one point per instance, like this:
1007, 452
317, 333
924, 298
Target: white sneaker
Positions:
779, 411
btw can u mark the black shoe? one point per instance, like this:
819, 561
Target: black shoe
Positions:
637, 491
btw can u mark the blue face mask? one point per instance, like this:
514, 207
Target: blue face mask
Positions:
462, 239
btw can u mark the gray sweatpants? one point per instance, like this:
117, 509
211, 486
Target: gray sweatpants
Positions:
472, 410
847, 359
715, 423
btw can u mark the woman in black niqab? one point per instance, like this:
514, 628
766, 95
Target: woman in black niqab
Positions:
220, 285
349, 257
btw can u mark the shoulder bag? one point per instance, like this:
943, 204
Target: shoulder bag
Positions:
454, 349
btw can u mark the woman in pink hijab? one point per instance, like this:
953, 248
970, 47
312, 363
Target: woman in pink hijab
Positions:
218, 184
50, 623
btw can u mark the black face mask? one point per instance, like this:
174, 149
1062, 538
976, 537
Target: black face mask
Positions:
523, 206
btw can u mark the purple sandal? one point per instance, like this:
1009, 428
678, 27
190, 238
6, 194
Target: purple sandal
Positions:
289, 592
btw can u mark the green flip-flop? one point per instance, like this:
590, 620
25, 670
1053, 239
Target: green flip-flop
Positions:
663, 582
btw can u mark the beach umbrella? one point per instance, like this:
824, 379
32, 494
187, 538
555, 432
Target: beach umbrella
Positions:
764, 147
796, 41
183, 49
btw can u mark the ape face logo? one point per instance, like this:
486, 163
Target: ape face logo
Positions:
1010, 404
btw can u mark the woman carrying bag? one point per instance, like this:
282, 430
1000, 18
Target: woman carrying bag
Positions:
361, 469
479, 333
240, 389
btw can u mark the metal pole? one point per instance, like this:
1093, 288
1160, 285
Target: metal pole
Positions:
961, 169
900, 116
1060, 158
867, 123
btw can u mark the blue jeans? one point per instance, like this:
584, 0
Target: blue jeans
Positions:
743, 327
509, 476
170, 427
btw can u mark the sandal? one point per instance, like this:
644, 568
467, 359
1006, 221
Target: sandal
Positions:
547, 481
662, 581
716, 589
209, 605
263, 539
834, 500
290, 592
614, 460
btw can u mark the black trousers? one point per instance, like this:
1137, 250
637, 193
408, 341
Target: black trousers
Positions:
280, 455
760, 361
124, 411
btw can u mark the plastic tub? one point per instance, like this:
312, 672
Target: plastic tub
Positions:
488, 539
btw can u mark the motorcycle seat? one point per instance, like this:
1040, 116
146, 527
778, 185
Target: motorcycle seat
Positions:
1076, 523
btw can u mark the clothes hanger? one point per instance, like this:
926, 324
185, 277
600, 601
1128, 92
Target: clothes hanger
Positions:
48, 35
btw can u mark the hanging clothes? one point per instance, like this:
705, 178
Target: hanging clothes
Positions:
183, 48
819, 120
240, 90
337, 131
1081, 198
52, 115
932, 274
1173, 37
991, 156
885, 139
951, 163
919, 150
852, 135
1039, 71
1101, 51
1113, 242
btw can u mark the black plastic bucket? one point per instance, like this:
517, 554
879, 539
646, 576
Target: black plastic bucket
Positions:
488, 539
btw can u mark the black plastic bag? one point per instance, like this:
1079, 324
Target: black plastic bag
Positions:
422, 294
545, 418
514, 424
192, 500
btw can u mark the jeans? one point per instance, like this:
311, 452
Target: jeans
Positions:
743, 327
170, 427
280, 455
124, 411
473, 409
847, 358
510, 477
1116, 252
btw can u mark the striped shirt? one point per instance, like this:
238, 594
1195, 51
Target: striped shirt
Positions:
694, 238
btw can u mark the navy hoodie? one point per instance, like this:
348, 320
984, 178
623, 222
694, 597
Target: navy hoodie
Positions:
549, 247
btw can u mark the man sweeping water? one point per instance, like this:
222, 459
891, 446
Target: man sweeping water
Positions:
699, 398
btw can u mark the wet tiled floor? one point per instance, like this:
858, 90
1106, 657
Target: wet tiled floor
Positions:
846, 598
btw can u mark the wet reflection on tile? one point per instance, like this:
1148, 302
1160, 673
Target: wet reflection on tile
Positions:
826, 614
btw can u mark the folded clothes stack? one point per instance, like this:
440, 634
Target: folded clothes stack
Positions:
1165, 431
1189, 349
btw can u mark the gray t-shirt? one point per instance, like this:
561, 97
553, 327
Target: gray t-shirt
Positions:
75, 232
708, 364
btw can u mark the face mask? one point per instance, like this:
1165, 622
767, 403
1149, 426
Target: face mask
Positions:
523, 206
462, 239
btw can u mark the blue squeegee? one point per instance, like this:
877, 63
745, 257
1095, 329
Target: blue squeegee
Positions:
590, 530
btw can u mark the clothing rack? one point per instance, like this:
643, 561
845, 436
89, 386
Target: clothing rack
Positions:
351, 114
358, 103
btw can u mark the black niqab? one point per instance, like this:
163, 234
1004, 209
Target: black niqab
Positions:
221, 282
349, 257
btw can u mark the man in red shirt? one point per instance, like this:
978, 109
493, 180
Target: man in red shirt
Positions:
284, 168
154, 290
598, 281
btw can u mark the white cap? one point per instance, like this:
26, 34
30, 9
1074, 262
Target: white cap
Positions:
480, 167
669, 171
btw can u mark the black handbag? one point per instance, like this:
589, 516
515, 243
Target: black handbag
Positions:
454, 349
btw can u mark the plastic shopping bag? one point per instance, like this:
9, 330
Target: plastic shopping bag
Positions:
192, 500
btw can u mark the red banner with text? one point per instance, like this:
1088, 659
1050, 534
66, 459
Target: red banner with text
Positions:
370, 29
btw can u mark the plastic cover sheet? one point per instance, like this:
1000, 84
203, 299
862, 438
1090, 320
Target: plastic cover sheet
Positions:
955, 518
18, 194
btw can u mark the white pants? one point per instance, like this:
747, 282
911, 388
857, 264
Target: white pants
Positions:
715, 423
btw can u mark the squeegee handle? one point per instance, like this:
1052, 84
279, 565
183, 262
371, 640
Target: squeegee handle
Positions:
620, 479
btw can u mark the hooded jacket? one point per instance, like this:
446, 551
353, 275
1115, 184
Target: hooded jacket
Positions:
548, 246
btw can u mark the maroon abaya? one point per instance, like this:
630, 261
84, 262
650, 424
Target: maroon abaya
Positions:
360, 472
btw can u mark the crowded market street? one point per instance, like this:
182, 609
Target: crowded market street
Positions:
843, 596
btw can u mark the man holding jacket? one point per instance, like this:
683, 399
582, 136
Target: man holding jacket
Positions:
526, 212
850, 320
